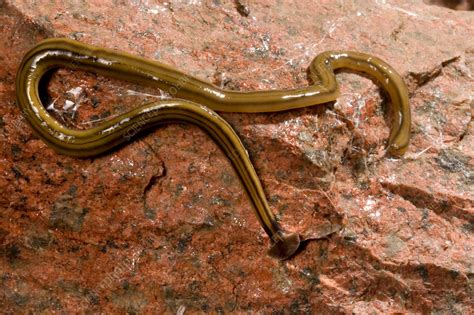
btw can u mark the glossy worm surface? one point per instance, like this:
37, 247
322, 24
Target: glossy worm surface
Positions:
190, 93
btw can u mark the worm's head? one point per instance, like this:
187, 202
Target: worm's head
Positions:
284, 245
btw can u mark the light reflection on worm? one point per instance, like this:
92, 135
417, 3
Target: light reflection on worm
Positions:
190, 92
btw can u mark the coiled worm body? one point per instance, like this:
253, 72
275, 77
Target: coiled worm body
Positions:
190, 93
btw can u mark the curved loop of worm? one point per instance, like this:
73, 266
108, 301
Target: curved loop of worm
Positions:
54, 53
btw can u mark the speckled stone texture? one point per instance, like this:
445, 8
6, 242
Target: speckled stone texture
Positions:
162, 224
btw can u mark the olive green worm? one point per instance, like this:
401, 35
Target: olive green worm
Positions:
194, 102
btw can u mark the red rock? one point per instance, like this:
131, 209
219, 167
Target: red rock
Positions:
162, 224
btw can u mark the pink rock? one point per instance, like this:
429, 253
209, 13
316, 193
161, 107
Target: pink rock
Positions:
162, 224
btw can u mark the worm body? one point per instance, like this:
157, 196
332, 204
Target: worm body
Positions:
190, 93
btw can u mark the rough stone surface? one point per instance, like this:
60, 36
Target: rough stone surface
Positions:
162, 224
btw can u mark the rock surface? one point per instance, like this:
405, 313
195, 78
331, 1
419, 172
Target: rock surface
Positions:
163, 225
